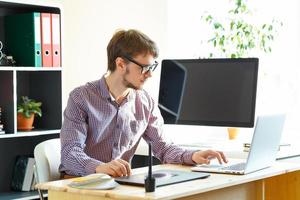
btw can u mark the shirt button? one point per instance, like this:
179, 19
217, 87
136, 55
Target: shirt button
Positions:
118, 126
115, 144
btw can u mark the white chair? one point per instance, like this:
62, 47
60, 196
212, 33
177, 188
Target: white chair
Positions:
47, 161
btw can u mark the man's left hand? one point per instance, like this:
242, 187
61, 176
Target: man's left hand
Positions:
204, 157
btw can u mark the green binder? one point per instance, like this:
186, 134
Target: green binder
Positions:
23, 38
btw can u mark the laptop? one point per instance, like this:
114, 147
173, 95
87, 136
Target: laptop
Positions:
162, 177
264, 147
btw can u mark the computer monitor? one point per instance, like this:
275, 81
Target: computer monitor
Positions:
214, 92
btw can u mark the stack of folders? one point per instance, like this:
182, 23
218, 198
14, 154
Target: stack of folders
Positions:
23, 174
33, 39
247, 147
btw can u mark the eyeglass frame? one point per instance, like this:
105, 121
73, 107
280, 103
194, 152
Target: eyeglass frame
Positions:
145, 68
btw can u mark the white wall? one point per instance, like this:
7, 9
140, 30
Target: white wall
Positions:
175, 26
88, 27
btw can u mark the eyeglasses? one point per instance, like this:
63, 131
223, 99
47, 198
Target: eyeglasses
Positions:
145, 68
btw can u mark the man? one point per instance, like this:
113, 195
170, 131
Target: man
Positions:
104, 120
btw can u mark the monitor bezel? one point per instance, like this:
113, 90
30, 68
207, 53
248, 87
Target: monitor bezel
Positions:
248, 124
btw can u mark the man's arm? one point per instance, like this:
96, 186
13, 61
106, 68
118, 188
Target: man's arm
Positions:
165, 152
73, 136
169, 153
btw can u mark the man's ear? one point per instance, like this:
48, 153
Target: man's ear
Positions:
120, 64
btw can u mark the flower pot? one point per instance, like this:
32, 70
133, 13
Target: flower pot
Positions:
24, 123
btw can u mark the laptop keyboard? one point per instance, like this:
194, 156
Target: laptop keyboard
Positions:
237, 167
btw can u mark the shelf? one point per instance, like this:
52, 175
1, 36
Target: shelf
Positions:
12, 147
19, 6
43, 84
21, 195
22, 68
30, 133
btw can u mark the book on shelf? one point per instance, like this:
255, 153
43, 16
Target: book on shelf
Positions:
33, 39
50, 40
35, 179
33, 183
46, 39
55, 42
23, 173
1, 127
23, 38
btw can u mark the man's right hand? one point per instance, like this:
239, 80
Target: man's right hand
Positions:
115, 168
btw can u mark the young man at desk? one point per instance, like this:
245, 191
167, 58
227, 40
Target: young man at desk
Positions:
105, 119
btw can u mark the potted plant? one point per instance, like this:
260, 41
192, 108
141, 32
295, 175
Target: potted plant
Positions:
26, 110
237, 37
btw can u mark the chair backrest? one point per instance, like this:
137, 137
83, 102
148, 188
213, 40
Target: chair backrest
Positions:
47, 160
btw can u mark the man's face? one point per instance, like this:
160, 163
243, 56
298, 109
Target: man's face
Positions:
135, 76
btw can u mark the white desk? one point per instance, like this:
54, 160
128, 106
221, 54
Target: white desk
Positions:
282, 181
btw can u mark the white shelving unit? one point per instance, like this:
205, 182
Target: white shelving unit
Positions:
40, 83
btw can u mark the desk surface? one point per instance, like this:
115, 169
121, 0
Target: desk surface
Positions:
232, 149
214, 182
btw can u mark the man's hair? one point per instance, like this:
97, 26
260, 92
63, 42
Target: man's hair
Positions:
129, 43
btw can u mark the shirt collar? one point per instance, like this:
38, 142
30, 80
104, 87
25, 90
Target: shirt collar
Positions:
104, 91
104, 88
112, 97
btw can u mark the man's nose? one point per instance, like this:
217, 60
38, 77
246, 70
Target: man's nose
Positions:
148, 74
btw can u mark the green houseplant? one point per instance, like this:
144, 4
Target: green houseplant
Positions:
236, 36
26, 110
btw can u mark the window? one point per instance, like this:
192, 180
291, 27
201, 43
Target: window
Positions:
279, 71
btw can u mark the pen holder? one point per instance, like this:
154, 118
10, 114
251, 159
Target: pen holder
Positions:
150, 184
233, 133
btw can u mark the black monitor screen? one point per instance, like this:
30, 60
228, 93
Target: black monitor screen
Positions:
216, 92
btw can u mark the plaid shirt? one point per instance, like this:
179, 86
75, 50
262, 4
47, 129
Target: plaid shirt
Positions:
97, 130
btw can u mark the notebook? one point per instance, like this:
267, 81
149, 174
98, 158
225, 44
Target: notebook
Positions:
264, 147
162, 177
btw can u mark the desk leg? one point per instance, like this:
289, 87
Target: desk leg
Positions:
286, 186
260, 189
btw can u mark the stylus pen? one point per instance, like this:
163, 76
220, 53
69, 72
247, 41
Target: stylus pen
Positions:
150, 180
150, 160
